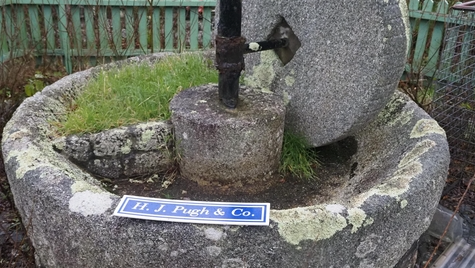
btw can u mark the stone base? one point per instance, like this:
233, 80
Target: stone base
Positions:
228, 148
386, 201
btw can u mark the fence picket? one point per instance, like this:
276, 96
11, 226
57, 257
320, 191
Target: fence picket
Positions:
3, 41
20, 23
9, 27
206, 25
169, 33
129, 29
89, 23
64, 38
421, 40
103, 26
116, 42
181, 25
75, 29
142, 29
49, 27
413, 5
194, 23
436, 41
156, 33
33, 14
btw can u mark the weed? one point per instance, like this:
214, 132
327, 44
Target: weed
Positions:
297, 157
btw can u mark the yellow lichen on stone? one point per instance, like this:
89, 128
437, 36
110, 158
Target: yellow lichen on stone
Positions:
126, 148
419, 149
405, 21
60, 143
81, 186
398, 184
307, 223
317, 222
286, 98
254, 46
16, 135
90, 203
289, 80
403, 118
31, 158
426, 126
146, 136
403, 203
356, 217
368, 221
264, 73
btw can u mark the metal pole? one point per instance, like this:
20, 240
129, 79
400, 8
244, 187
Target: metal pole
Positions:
229, 51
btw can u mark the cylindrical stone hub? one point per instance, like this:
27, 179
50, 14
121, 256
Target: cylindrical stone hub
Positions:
228, 148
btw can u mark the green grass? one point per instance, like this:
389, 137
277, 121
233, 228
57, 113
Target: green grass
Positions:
297, 158
136, 93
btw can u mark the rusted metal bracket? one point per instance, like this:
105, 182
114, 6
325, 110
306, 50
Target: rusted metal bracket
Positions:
266, 45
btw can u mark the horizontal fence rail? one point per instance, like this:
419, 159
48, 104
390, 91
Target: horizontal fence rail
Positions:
103, 28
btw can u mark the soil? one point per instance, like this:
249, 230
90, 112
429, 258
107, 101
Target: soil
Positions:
332, 172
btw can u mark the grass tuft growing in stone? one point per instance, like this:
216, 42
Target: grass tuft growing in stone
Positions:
297, 158
136, 93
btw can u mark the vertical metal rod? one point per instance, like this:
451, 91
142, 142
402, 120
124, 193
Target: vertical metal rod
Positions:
229, 51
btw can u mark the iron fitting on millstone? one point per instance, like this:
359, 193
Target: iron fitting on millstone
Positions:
230, 54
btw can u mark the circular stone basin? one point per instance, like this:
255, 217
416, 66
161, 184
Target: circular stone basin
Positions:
370, 218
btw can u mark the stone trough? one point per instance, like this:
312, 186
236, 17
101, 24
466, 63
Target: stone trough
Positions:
384, 202
340, 84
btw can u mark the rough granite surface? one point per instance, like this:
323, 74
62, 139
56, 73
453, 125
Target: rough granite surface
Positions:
351, 58
136, 150
228, 147
388, 202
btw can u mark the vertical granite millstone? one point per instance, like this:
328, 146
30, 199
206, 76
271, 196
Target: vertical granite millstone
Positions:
225, 147
351, 58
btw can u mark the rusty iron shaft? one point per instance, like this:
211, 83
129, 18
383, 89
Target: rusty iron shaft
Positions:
229, 51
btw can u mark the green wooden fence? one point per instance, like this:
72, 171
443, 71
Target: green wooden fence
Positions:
75, 29
427, 24
103, 28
